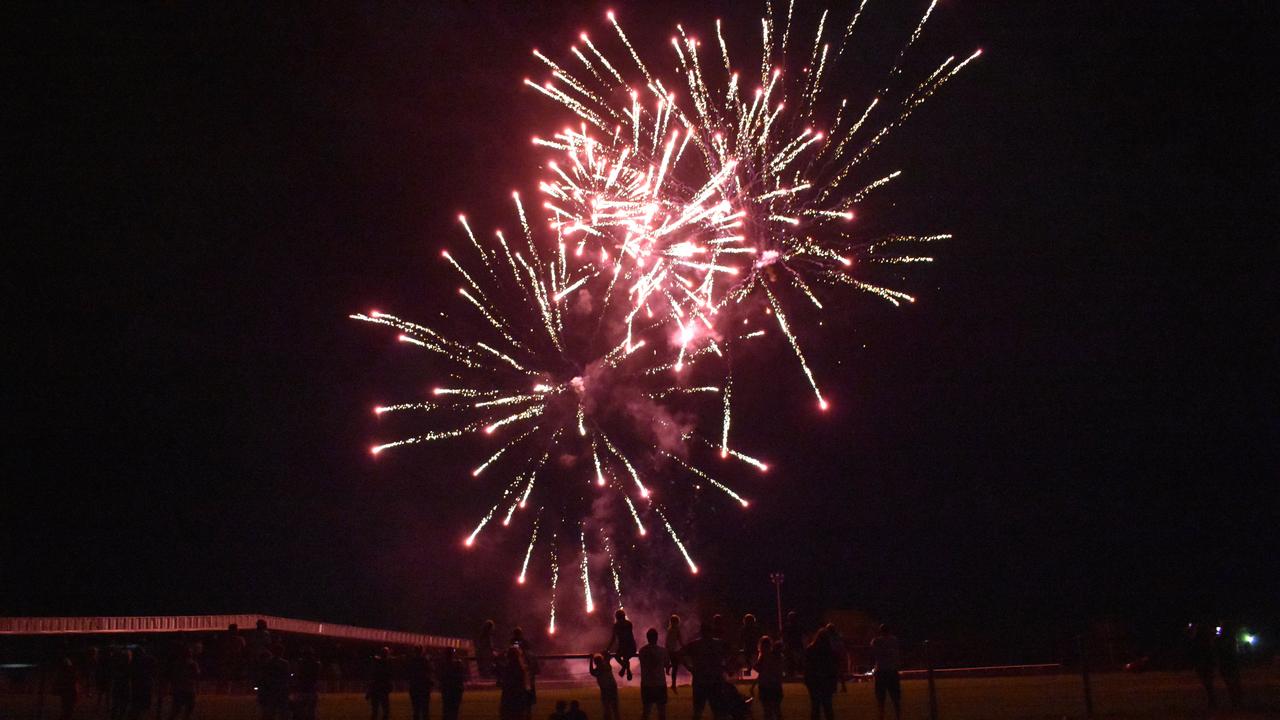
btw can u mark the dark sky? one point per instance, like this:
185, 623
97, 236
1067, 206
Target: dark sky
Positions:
1077, 420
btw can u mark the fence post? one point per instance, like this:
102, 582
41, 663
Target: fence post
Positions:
933, 690
1084, 676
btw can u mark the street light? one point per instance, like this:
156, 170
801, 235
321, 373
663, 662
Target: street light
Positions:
776, 578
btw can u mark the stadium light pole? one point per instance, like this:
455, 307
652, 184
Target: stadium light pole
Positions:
776, 578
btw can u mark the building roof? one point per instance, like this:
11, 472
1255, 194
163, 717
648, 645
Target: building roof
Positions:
138, 624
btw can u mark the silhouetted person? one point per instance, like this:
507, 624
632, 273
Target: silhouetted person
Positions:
119, 672
575, 712
886, 653
622, 642
1229, 662
842, 655
820, 675
749, 639
531, 667
306, 686
66, 687
258, 650
101, 677
561, 711
273, 684
654, 663
485, 651
142, 683
675, 645
769, 667
182, 684
378, 692
513, 680
231, 652
793, 644
608, 686
705, 659
453, 673
1201, 651
421, 679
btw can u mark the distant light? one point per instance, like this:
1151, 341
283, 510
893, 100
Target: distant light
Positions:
1251, 639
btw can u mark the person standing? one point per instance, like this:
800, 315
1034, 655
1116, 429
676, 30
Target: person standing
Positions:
66, 687
793, 644
603, 674
841, 654
182, 684
531, 667
453, 673
485, 652
513, 680
306, 683
231, 650
379, 691
886, 652
259, 651
1229, 662
749, 636
119, 673
820, 675
769, 669
142, 681
675, 644
418, 670
273, 684
705, 658
623, 642
575, 712
654, 663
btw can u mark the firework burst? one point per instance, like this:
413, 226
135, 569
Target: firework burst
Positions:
569, 415
672, 226
780, 162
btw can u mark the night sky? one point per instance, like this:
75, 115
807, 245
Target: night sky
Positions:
1076, 421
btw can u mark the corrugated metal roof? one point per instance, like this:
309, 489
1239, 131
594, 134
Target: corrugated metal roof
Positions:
217, 623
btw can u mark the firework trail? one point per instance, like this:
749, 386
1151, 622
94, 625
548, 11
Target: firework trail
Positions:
708, 196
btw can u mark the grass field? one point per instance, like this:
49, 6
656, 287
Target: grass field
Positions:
1150, 696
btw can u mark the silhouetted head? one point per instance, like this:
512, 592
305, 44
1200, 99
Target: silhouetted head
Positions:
573, 704
792, 616
487, 628
674, 622
652, 636
766, 644
620, 614
450, 653
748, 620
830, 628
233, 628
597, 660
717, 625
884, 628
517, 635
561, 705
262, 624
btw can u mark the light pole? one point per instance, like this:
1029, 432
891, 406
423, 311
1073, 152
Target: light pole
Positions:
776, 578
